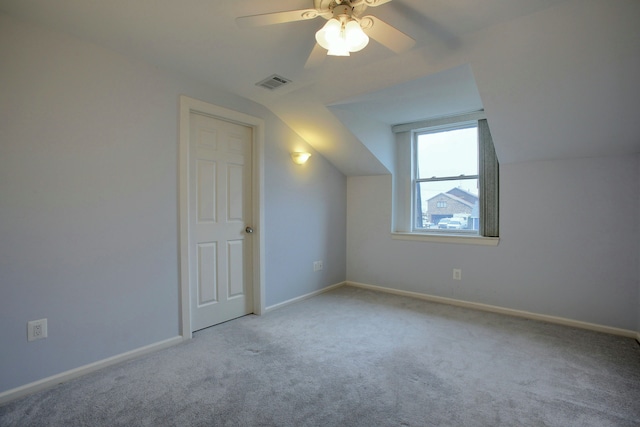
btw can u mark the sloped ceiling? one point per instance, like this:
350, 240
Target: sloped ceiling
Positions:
557, 78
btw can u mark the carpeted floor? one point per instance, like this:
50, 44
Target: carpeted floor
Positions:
352, 357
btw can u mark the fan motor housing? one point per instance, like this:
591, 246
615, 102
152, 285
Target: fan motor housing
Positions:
342, 9
332, 5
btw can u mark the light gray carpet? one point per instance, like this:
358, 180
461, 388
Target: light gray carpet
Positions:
352, 357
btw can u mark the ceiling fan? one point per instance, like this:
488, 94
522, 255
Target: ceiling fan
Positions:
347, 29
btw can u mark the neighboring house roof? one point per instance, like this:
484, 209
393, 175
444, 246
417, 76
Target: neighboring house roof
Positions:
452, 197
463, 194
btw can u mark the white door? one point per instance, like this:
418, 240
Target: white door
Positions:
220, 221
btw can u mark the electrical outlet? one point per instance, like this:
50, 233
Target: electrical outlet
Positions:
457, 274
317, 265
36, 329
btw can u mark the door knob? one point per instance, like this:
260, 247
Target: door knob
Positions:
249, 230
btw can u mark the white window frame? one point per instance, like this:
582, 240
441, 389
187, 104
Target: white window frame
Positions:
404, 183
414, 172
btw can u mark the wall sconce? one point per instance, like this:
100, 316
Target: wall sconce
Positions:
300, 158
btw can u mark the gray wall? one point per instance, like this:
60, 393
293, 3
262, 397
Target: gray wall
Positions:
88, 203
569, 243
306, 220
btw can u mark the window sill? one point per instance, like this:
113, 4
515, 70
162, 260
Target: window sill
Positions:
447, 238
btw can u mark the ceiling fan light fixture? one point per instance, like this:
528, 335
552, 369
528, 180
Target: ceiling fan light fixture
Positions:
340, 37
338, 50
356, 38
329, 34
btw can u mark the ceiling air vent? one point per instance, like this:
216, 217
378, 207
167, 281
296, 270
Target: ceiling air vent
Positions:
273, 82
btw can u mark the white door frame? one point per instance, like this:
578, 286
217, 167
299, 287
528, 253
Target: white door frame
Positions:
187, 106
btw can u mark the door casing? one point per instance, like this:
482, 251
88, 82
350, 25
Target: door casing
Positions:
190, 105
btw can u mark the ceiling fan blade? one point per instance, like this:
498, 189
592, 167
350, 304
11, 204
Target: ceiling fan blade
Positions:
316, 58
278, 17
386, 35
371, 3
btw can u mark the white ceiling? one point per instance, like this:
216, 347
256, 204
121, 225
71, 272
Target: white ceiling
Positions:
440, 94
530, 59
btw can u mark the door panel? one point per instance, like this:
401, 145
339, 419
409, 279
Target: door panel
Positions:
220, 206
206, 191
207, 277
235, 249
235, 177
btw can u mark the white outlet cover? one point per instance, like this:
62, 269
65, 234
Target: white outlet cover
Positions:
36, 329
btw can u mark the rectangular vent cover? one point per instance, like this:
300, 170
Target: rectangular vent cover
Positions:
273, 82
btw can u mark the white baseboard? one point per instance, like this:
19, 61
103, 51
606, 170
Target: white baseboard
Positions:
42, 384
303, 297
503, 310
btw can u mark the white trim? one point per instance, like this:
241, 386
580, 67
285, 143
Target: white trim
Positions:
440, 121
303, 297
448, 238
45, 383
187, 106
502, 310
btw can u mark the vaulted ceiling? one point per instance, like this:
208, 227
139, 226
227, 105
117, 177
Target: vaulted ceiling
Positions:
557, 78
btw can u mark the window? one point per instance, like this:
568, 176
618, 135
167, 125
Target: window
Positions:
447, 178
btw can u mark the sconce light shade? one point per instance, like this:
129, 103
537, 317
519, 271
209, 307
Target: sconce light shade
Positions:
300, 158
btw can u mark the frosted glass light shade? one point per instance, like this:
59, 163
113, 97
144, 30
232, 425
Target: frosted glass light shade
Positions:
300, 158
341, 38
338, 48
329, 33
356, 38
